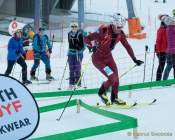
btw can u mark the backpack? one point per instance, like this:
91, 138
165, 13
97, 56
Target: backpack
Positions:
77, 44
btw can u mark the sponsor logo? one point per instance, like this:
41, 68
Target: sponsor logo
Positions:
19, 113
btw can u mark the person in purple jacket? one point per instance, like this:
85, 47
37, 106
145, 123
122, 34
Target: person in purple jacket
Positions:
170, 22
16, 54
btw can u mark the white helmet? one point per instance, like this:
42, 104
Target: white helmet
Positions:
168, 20
118, 20
74, 24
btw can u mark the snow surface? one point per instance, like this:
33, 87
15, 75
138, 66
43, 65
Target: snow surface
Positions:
156, 118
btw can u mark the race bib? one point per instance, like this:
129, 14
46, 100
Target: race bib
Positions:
108, 70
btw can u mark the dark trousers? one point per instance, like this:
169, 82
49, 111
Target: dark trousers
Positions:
169, 66
107, 66
74, 62
44, 57
22, 63
162, 58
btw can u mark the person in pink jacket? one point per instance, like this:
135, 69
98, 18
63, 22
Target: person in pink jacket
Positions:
170, 22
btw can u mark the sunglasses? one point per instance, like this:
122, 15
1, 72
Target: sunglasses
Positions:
74, 26
119, 27
19, 30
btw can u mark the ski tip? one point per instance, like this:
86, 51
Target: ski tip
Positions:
135, 103
154, 100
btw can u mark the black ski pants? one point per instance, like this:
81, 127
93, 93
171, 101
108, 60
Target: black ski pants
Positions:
22, 63
162, 58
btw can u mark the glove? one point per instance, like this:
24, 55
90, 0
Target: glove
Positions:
92, 49
26, 43
50, 50
24, 56
155, 48
138, 62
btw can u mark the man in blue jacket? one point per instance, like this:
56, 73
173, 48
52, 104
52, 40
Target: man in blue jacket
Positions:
16, 54
42, 50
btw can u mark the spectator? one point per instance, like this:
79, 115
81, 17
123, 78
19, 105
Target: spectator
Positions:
170, 22
160, 48
16, 54
75, 55
40, 44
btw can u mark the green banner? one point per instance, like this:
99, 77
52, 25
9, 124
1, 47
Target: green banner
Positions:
94, 91
125, 122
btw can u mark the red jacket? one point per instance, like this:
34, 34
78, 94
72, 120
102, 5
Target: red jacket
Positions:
161, 41
106, 41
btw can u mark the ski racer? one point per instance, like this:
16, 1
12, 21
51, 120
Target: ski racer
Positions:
106, 37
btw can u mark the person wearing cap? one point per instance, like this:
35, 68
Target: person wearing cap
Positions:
16, 54
170, 31
107, 36
42, 50
27, 35
75, 55
160, 48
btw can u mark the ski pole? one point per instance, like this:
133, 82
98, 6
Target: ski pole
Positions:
63, 75
87, 64
153, 66
53, 39
146, 50
13, 69
38, 68
127, 71
84, 83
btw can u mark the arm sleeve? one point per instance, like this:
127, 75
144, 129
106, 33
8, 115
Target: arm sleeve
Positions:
35, 43
21, 47
158, 40
11, 45
48, 42
91, 37
81, 42
127, 46
69, 40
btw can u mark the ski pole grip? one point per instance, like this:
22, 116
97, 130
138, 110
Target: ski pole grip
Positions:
146, 48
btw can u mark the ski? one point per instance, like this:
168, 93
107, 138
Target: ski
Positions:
40, 82
127, 106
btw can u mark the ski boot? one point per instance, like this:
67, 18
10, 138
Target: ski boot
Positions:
33, 78
49, 77
118, 101
103, 96
26, 82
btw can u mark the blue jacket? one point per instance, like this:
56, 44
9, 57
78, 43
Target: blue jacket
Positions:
40, 43
15, 49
